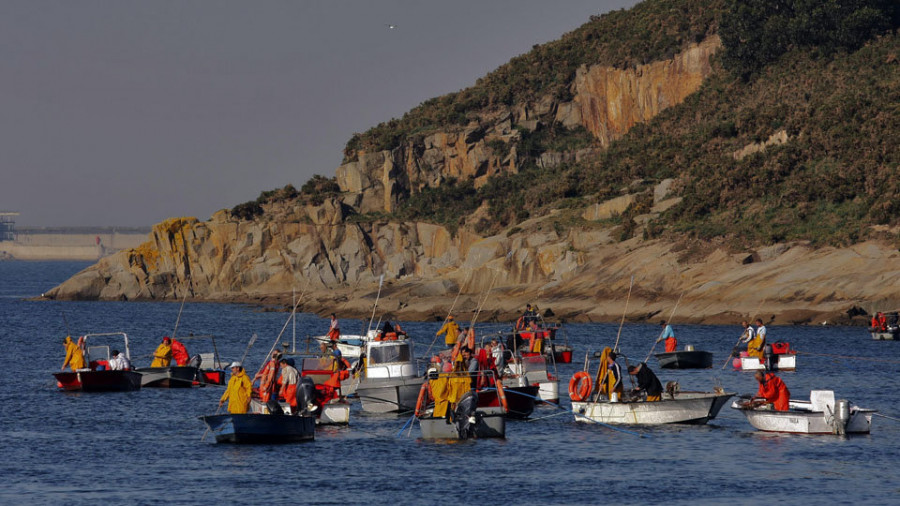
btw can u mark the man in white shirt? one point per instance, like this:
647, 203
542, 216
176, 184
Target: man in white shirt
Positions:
119, 362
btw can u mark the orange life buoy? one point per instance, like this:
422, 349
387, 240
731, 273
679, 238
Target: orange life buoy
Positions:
580, 386
421, 397
502, 395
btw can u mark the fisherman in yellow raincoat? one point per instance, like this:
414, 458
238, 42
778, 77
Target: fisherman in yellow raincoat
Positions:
756, 345
609, 376
74, 355
452, 330
238, 391
162, 357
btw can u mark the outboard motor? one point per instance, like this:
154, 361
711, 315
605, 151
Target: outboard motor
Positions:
841, 417
770, 357
306, 393
195, 361
465, 414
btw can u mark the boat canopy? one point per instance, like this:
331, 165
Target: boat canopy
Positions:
389, 352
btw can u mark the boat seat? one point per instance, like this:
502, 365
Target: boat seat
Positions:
822, 400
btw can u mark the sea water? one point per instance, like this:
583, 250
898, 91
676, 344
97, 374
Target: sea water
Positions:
147, 447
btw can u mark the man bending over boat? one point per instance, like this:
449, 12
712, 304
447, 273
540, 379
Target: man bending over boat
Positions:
119, 362
647, 382
773, 390
74, 355
238, 391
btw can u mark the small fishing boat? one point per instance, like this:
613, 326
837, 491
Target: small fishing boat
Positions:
888, 334
559, 352
467, 420
211, 368
532, 369
390, 381
253, 428
351, 346
778, 357
169, 377
520, 400
822, 414
97, 377
675, 407
688, 358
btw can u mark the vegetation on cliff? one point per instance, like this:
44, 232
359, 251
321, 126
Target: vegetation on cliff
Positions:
822, 75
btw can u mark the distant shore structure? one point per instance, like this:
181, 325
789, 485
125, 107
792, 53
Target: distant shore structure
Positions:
64, 243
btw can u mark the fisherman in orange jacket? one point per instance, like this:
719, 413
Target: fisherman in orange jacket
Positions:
268, 377
773, 390
179, 352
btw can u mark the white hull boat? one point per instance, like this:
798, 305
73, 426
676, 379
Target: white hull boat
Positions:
887, 335
535, 374
350, 345
786, 362
682, 407
391, 381
820, 415
336, 412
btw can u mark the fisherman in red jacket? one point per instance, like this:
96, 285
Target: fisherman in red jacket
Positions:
773, 390
179, 352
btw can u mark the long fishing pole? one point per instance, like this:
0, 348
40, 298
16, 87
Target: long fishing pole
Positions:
671, 315
380, 283
66, 323
178, 319
616, 347
449, 313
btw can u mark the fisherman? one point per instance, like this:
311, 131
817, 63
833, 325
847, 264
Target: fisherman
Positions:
611, 382
469, 364
668, 335
773, 390
647, 382
498, 351
290, 378
238, 391
757, 345
74, 355
882, 322
324, 349
162, 357
119, 362
179, 352
451, 328
530, 315
334, 329
748, 335
268, 377
339, 372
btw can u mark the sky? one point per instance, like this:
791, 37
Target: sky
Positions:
124, 113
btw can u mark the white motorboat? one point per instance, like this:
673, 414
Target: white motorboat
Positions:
822, 414
778, 357
532, 370
351, 346
890, 334
390, 380
677, 407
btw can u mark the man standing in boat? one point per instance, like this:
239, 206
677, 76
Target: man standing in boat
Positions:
451, 328
162, 357
668, 335
180, 353
268, 377
74, 355
610, 375
238, 391
334, 330
647, 382
773, 390
290, 378
756, 345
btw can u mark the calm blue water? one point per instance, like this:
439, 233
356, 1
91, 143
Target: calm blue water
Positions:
145, 447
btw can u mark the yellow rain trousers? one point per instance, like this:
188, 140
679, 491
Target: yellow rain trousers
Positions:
446, 392
606, 382
755, 347
238, 393
162, 357
74, 356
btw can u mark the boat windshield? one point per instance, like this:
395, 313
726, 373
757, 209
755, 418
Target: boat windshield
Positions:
389, 353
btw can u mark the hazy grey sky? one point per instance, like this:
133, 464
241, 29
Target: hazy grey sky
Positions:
124, 112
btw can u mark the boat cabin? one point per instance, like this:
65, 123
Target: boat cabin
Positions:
390, 359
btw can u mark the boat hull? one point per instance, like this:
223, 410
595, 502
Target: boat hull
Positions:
686, 407
252, 428
168, 377
487, 425
519, 399
336, 412
785, 362
98, 381
796, 422
389, 395
685, 360
884, 336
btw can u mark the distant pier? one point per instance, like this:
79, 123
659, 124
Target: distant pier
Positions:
64, 243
